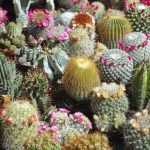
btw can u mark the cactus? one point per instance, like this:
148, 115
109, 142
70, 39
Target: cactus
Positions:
80, 44
80, 77
10, 79
137, 131
116, 66
109, 105
138, 16
112, 28
93, 141
136, 44
20, 124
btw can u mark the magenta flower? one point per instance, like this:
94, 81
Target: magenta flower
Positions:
41, 17
78, 117
63, 37
146, 2
64, 110
3, 17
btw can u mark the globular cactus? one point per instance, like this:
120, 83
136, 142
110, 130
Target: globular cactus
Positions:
10, 79
116, 66
109, 105
21, 122
92, 141
112, 28
137, 131
80, 44
80, 77
137, 45
138, 16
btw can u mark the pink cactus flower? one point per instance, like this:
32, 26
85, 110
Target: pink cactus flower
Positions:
3, 17
146, 2
64, 110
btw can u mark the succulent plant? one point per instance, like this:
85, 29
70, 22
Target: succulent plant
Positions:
20, 124
112, 28
137, 45
93, 141
116, 66
137, 131
109, 105
138, 16
80, 77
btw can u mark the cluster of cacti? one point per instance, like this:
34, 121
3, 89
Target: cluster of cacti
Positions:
80, 77
116, 66
112, 28
137, 131
20, 125
109, 105
93, 141
138, 16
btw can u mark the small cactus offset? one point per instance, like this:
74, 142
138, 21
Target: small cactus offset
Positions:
80, 77
137, 45
20, 124
138, 16
92, 141
137, 131
112, 28
116, 66
109, 104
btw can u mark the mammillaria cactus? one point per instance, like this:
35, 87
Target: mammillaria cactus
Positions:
136, 44
20, 124
137, 131
80, 77
112, 28
109, 104
138, 16
116, 66
93, 141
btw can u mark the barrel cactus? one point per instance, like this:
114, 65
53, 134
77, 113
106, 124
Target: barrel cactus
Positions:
112, 28
136, 44
20, 124
80, 77
109, 105
137, 131
93, 141
138, 16
116, 66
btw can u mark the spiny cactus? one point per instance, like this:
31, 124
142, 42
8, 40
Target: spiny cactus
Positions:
80, 44
112, 28
93, 141
136, 44
10, 79
109, 104
137, 131
80, 77
138, 15
116, 66
20, 124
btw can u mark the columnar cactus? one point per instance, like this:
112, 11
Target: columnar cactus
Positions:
80, 77
109, 105
21, 122
112, 28
116, 66
137, 131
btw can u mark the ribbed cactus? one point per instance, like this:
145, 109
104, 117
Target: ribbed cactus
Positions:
93, 141
80, 77
137, 45
109, 105
137, 131
112, 28
10, 79
20, 124
138, 16
116, 66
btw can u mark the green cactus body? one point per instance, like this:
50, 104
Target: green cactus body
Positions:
112, 29
80, 77
20, 124
137, 131
109, 104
